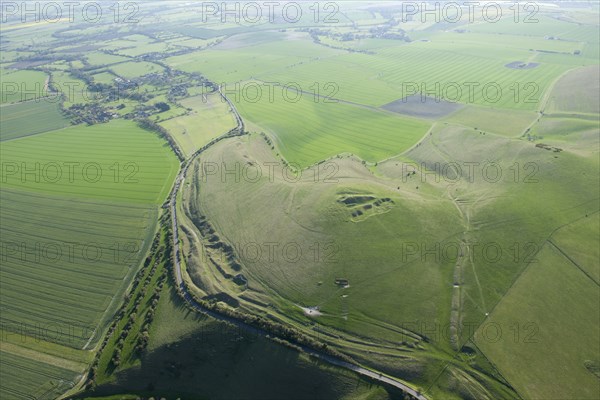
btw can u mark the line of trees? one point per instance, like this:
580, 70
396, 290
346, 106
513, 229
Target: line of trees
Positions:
145, 123
93, 372
133, 313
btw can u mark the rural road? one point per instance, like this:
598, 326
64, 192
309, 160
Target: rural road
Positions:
377, 376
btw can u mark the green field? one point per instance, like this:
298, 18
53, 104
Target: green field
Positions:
524, 325
377, 78
452, 245
104, 77
23, 377
509, 123
206, 118
98, 58
18, 86
137, 50
73, 238
130, 70
30, 118
310, 130
575, 91
75, 90
192, 350
241, 61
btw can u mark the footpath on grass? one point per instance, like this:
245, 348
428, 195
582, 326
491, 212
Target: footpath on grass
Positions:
187, 296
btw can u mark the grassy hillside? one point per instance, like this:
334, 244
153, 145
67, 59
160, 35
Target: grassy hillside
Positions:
191, 356
361, 211
576, 91
435, 235
524, 326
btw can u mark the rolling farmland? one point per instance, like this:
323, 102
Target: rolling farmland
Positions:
20, 86
24, 377
296, 127
30, 118
132, 69
561, 292
376, 203
72, 238
464, 213
207, 118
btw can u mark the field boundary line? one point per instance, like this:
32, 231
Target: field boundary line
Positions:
40, 356
545, 100
188, 298
565, 255
490, 312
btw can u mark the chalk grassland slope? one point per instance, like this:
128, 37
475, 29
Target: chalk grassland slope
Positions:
578, 134
73, 238
293, 237
30, 118
192, 356
552, 306
207, 117
313, 214
554, 302
573, 113
511, 123
311, 221
312, 129
577, 241
457, 289
503, 211
577, 92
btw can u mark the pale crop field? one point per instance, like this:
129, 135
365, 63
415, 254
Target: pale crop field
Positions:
130, 70
207, 117
98, 58
575, 92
